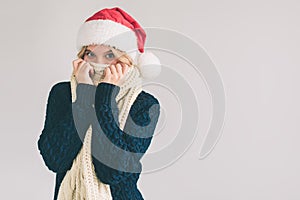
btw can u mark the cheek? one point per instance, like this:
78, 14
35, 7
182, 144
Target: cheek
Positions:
110, 61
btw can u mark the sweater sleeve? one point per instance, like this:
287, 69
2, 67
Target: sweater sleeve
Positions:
60, 140
122, 149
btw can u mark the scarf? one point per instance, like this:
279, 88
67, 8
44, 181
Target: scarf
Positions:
81, 182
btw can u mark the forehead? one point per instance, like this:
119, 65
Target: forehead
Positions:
99, 48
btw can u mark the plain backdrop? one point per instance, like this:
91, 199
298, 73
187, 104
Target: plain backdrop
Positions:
255, 46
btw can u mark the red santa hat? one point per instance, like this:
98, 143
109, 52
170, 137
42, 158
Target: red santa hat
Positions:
115, 27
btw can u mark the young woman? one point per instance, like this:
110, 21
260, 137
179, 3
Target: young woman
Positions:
101, 122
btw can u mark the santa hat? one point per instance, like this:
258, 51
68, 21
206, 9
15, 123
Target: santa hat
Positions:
115, 27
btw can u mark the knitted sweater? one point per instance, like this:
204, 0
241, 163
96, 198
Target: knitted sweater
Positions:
61, 139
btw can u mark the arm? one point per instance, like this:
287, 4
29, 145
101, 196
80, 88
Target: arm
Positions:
60, 140
123, 149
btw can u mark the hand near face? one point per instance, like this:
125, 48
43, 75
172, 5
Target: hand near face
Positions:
115, 74
82, 71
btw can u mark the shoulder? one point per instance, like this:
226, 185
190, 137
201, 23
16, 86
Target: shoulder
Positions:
147, 98
145, 101
61, 89
145, 109
63, 85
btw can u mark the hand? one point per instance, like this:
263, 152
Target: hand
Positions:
115, 73
83, 71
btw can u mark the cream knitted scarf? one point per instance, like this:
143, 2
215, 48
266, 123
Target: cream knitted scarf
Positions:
81, 182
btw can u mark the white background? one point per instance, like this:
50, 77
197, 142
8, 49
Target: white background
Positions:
255, 46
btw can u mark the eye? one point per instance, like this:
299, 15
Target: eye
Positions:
89, 53
110, 56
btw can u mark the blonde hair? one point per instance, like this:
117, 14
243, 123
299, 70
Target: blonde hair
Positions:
121, 56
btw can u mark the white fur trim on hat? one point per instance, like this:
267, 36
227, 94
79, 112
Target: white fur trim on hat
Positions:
106, 32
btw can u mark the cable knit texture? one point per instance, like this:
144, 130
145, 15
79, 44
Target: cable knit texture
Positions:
81, 181
61, 138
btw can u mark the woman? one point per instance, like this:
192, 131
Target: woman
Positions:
102, 112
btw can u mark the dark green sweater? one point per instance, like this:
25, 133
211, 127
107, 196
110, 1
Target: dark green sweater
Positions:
66, 124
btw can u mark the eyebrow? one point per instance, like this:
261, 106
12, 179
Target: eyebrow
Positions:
109, 51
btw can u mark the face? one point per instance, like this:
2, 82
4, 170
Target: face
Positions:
99, 54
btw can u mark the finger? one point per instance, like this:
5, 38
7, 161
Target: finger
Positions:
119, 69
113, 70
122, 67
92, 72
125, 69
107, 72
87, 67
88, 72
76, 63
80, 68
77, 60
81, 64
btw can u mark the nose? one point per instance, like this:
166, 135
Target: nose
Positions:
99, 60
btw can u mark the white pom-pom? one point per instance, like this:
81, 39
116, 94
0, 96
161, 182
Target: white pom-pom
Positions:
149, 65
